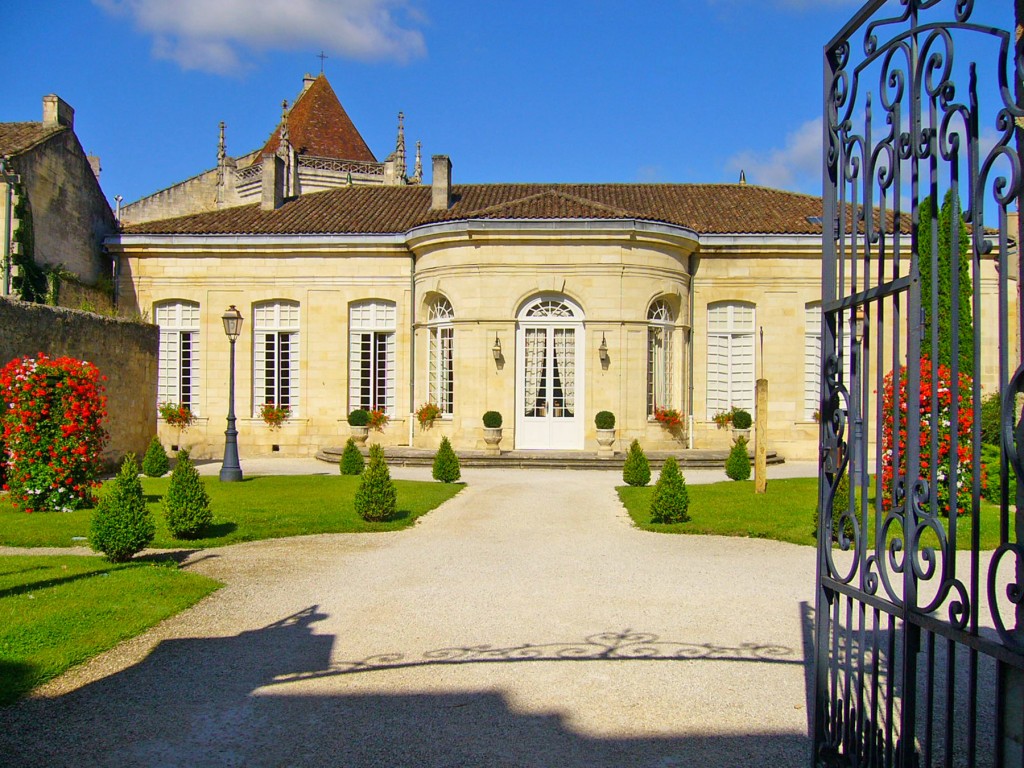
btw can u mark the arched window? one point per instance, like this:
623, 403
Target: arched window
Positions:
660, 324
812, 359
440, 365
730, 356
371, 374
275, 344
178, 357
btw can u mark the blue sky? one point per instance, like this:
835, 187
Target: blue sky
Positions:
684, 91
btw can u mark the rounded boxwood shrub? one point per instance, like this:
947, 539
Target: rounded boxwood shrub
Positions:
376, 499
737, 466
492, 419
604, 420
187, 505
122, 523
359, 418
352, 461
446, 463
741, 419
155, 463
671, 501
636, 470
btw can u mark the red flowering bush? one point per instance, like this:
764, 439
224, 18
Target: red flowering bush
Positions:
938, 467
51, 419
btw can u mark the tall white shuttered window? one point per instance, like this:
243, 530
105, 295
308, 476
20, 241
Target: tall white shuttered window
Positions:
730, 356
371, 371
660, 320
440, 365
178, 359
812, 359
275, 367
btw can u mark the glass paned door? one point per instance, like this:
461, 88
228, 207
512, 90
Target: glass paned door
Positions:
549, 387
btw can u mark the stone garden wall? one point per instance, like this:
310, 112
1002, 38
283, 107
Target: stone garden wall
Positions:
124, 351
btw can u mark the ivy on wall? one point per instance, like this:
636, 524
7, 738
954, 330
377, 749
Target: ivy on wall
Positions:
30, 283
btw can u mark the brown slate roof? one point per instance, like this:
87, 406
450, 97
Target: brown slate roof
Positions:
15, 138
704, 208
318, 125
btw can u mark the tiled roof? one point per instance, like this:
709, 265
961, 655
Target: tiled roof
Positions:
318, 125
704, 208
17, 137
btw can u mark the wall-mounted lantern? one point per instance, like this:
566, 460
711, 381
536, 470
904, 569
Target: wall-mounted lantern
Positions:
602, 351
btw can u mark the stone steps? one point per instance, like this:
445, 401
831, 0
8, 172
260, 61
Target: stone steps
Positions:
420, 457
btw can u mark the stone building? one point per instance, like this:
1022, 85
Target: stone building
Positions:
53, 214
545, 302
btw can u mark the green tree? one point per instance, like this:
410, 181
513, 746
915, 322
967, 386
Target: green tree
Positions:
446, 463
352, 461
187, 505
671, 501
376, 498
636, 470
943, 321
155, 463
737, 465
122, 523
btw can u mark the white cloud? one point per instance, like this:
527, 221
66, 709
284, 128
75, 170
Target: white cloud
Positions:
796, 166
216, 35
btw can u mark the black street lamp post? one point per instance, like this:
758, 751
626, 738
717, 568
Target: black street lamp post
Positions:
231, 470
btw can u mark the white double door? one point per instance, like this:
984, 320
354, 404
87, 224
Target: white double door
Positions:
549, 385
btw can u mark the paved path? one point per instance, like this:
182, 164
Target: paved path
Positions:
524, 623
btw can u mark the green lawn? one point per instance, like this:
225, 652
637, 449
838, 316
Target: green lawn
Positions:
56, 612
784, 513
256, 508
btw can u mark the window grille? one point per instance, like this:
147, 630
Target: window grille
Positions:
276, 355
440, 365
178, 356
660, 321
372, 356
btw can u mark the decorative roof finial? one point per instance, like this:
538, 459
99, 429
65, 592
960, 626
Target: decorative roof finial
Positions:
743, 177
417, 171
284, 121
400, 147
221, 146
322, 56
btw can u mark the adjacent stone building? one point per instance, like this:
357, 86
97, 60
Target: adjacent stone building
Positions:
545, 302
53, 214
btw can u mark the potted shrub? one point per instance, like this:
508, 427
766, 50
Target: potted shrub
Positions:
492, 432
274, 415
605, 423
741, 422
722, 419
377, 419
359, 423
427, 413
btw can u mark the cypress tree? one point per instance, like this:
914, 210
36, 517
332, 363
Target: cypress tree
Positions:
352, 461
155, 463
376, 498
122, 523
636, 470
187, 505
941, 291
671, 501
446, 463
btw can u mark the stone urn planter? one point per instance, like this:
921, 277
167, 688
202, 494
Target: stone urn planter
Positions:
606, 443
359, 434
359, 424
740, 434
492, 433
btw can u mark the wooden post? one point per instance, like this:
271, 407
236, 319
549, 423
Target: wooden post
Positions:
761, 438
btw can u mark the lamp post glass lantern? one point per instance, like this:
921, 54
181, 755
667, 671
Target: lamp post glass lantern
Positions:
230, 469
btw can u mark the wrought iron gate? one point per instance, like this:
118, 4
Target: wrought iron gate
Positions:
920, 599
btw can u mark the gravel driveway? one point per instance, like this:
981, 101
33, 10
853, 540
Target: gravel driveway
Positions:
523, 623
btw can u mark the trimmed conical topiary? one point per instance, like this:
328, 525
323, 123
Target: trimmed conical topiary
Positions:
122, 524
352, 461
155, 463
187, 505
446, 463
737, 466
636, 470
376, 498
671, 501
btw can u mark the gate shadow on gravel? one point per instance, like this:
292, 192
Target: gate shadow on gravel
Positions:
192, 703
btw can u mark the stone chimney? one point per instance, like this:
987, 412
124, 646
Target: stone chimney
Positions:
307, 80
94, 163
273, 183
441, 184
56, 111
